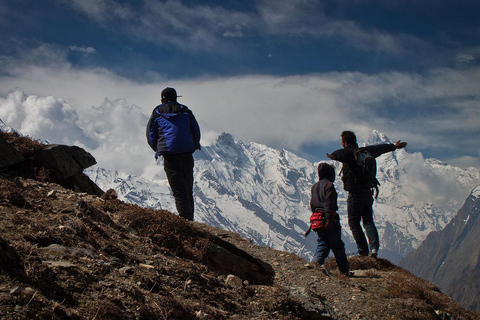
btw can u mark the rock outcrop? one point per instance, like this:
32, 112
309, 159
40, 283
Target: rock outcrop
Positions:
10, 155
60, 163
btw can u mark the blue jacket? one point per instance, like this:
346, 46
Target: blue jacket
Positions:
173, 129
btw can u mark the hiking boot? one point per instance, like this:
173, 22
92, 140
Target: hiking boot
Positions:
374, 253
348, 274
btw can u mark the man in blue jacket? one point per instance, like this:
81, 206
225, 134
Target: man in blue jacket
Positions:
360, 193
174, 134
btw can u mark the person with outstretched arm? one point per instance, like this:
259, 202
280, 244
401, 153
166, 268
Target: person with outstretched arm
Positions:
360, 192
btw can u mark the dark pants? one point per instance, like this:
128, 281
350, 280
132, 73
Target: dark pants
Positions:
179, 170
332, 240
359, 208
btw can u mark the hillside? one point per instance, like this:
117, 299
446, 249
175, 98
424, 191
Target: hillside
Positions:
450, 258
68, 254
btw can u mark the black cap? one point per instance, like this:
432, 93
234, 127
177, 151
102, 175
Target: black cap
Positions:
169, 94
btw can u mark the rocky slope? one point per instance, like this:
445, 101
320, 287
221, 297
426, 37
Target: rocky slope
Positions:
450, 258
72, 255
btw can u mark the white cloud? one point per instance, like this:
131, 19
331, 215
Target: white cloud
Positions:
290, 16
199, 27
12, 112
46, 118
45, 54
307, 18
98, 10
207, 27
465, 57
113, 132
83, 50
465, 162
119, 130
422, 176
439, 109
236, 33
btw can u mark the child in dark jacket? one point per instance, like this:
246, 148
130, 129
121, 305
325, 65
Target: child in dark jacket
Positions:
324, 199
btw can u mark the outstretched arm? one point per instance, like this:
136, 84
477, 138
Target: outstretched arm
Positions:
331, 156
399, 144
342, 155
379, 149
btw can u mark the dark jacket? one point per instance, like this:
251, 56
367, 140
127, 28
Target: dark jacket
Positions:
173, 129
347, 157
324, 195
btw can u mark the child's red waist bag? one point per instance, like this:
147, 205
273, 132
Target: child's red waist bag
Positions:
318, 221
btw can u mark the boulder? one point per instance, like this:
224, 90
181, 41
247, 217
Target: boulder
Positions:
64, 161
64, 165
10, 155
226, 258
80, 182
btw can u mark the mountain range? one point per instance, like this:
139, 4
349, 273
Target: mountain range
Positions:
263, 194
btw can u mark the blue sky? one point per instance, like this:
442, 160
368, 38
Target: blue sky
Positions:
289, 74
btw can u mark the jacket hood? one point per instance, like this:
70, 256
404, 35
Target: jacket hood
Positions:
326, 171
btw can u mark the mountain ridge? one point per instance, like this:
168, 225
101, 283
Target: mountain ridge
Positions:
263, 194
450, 258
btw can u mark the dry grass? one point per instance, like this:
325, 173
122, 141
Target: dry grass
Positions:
165, 229
403, 285
28, 148
25, 145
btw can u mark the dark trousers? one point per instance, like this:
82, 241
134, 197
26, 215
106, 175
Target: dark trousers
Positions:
332, 240
359, 208
179, 170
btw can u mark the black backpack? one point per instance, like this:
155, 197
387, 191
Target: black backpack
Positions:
365, 170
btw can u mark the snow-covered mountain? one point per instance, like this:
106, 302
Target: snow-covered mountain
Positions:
263, 194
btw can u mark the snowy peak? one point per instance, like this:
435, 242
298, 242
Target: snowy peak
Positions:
226, 139
475, 194
4, 127
377, 137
